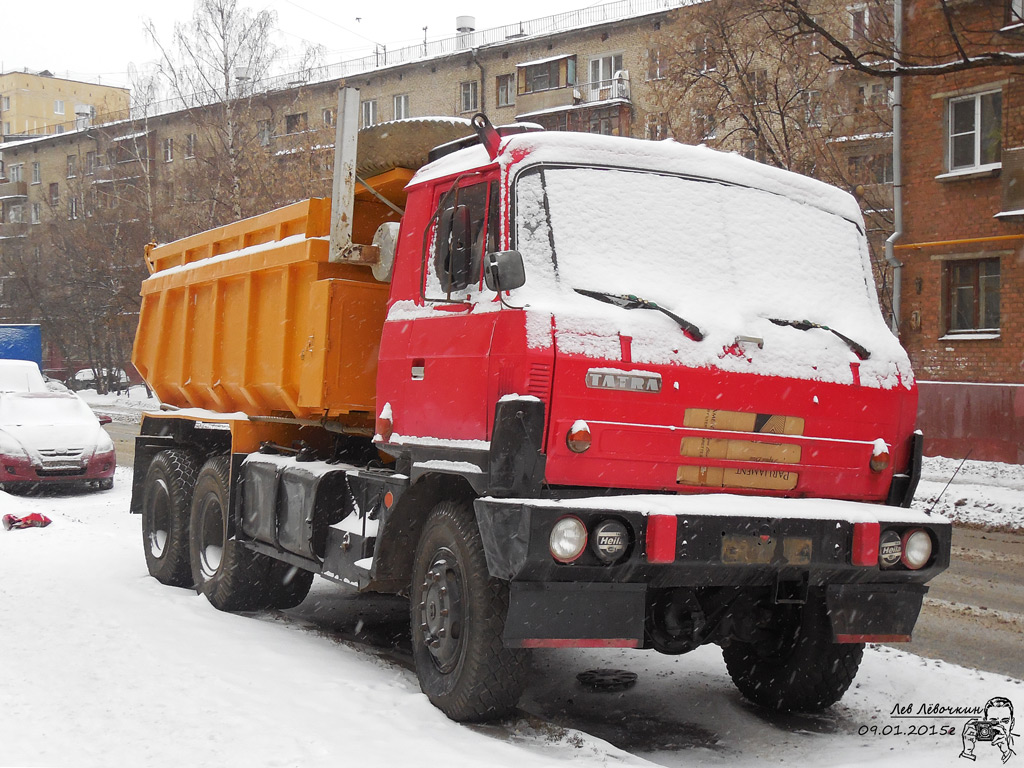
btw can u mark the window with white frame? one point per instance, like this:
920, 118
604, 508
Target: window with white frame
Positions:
16, 214
654, 67
860, 19
168, 150
190, 145
72, 166
16, 172
37, 174
72, 207
36, 212
401, 106
58, 107
468, 96
812, 108
263, 133
975, 131
90, 163
5, 103
368, 110
1016, 11
328, 115
603, 69
506, 85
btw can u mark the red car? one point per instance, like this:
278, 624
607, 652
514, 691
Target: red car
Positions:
53, 437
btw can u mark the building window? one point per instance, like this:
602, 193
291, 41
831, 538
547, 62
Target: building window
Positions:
401, 106
1016, 11
5, 103
168, 147
872, 95
72, 207
54, 194
58, 107
859, 22
90, 163
190, 145
16, 172
506, 90
36, 212
654, 70
709, 126
972, 295
72, 166
975, 130
37, 175
603, 69
16, 214
368, 111
295, 123
263, 132
757, 86
545, 75
604, 121
657, 126
328, 117
468, 96
706, 55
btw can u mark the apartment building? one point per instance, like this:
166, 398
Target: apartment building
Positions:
39, 104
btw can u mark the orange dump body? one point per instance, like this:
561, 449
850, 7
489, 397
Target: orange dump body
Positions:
253, 317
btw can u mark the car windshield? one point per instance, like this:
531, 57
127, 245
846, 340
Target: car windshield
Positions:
24, 410
700, 248
16, 376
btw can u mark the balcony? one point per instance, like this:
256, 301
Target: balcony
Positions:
13, 190
13, 230
578, 95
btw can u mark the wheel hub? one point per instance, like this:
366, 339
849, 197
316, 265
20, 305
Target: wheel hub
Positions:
440, 611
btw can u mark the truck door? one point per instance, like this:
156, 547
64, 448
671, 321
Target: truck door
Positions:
450, 342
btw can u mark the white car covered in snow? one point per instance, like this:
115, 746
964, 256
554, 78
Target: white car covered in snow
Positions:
20, 376
52, 437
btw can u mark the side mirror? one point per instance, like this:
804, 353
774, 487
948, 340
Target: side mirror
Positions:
452, 251
504, 271
104, 419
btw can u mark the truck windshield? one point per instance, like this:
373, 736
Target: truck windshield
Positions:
703, 249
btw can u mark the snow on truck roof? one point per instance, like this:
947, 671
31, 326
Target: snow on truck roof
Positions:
668, 156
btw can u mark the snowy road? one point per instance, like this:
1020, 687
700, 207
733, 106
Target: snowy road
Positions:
102, 666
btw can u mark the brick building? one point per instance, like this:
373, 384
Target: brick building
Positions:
962, 248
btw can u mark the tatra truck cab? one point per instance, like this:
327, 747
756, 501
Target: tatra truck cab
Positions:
561, 390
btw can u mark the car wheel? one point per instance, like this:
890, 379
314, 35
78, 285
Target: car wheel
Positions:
105, 484
232, 577
458, 617
167, 497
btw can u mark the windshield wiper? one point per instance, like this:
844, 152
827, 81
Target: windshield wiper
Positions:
629, 301
806, 325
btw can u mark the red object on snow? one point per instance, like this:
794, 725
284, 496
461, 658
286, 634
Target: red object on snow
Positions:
35, 520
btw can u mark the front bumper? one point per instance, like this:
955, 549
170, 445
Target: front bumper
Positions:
17, 469
780, 547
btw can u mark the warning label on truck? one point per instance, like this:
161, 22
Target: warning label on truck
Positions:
726, 477
739, 450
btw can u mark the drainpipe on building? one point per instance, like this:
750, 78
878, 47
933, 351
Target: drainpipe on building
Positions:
483, 85
897, 173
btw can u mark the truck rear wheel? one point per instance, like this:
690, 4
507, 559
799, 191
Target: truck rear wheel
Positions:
167, 497
458, 617
232, 577
287, 584
804, 671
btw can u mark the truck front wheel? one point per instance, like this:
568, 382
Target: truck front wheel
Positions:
802, 670
458, 616
167, 495
232, 577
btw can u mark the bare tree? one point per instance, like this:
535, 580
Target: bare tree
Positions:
862, 39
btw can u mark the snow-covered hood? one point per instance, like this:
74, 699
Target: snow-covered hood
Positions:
50, 443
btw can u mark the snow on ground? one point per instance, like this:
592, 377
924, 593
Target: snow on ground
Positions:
122, 406
103, 666
983, 493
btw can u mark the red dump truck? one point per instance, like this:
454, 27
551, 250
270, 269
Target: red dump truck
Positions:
560, 390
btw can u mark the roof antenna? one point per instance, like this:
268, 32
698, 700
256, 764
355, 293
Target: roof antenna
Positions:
488, 134
950, 480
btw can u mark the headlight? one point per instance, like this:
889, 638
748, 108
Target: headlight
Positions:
568, 539
917, 548
10, 447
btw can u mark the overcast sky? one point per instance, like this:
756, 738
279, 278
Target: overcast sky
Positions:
98, 41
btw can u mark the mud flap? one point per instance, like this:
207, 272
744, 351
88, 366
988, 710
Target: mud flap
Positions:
875, 613
575, 615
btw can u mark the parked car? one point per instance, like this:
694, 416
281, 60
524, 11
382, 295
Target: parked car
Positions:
20, 376
55, 385
86, 379
53, 437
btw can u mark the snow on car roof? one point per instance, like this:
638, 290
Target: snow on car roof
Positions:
20, 376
